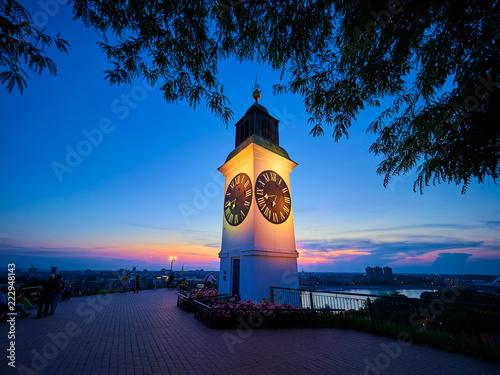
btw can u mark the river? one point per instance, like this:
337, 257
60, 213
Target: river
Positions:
410, 293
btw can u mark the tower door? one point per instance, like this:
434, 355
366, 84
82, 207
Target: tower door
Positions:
235, 290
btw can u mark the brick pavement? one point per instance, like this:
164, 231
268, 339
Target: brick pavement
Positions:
146, 333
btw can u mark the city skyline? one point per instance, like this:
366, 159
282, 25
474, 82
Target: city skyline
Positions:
112, 176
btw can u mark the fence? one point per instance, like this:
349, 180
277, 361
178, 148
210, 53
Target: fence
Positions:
464, 327
110, 286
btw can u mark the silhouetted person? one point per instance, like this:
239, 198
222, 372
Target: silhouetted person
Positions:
3, 301
170, 280
67, 293
210, 280
183, 285
137, 281
46, 295
22, 300
125, 281
56, 293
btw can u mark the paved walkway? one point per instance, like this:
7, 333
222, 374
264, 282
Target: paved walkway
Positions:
147, 333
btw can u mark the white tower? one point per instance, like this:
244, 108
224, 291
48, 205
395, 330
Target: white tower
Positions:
258, 241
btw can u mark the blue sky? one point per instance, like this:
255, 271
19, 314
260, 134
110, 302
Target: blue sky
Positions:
122, 203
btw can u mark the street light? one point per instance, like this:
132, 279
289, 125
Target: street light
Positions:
172, 263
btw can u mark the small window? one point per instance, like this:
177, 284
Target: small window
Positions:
246, 129
243, 131
266, 130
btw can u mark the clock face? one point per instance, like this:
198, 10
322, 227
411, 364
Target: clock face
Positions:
273, 197
238, 199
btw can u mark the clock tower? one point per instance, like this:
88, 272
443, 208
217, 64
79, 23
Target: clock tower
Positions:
258, 240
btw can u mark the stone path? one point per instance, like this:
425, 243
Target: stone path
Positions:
147, 333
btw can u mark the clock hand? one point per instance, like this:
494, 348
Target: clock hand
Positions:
233, 204
269, 196
230, 203
274, 201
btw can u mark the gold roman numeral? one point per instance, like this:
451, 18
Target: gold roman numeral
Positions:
247, 204
242, 213
232, 184
260, 191
227, 212
285, 190
275, 217
248, 193
262, 202
273, 176
262, 183
267, 212
282, 216
266, 177
287, 210
246, 183
287, 200
237, 179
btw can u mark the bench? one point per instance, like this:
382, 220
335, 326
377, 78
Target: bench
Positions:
32, 294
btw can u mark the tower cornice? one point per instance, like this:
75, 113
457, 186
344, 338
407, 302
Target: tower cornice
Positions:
261, 141
257, 152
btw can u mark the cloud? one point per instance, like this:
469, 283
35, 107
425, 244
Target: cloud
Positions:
108, 257
464, 263
451, 260
495, 225
413, 226
412, 246
410, 251
172, 229
7, 249
213, 244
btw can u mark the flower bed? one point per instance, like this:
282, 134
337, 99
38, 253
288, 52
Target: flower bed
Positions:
186, 300
234, 314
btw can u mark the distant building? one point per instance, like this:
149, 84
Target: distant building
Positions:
379, 273
370, 273
53, 270
32, 272
388, 273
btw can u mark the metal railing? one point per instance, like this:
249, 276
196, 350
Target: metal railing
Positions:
464, 327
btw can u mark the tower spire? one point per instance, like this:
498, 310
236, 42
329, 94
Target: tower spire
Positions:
256, 90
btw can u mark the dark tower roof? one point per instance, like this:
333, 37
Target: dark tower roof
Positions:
259, 127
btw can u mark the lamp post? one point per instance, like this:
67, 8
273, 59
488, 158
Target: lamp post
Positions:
172, 263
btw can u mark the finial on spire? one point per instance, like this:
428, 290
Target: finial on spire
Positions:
256, 90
